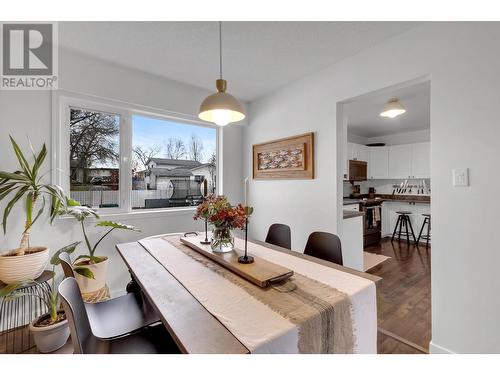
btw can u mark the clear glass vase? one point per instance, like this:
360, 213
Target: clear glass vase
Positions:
223, 240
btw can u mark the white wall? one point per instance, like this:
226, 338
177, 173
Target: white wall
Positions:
403, 138
28, 113
392, 139
461, 61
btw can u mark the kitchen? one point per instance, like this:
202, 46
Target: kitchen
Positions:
386, 204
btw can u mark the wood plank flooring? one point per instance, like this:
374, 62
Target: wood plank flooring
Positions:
403, 297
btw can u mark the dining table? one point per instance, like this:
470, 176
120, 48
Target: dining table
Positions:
208, 309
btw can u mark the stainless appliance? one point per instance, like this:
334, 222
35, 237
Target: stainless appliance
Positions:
357, 170
372, 221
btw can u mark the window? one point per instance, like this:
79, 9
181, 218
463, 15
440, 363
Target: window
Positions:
170, 162
94, 156
118, 158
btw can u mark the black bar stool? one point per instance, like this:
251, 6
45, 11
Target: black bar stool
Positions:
426, 237
403, 219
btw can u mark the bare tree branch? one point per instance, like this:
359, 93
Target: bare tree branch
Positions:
175, 148
195, 148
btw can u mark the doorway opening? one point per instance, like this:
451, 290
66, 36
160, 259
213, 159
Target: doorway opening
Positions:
383, 154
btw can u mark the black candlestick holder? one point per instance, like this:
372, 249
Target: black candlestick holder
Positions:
246, 259
206, 241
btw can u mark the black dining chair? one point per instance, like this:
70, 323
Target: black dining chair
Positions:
324, 246
150, 340
279, 235
118, 316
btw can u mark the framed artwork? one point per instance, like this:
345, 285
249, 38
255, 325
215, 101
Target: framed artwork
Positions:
286, 158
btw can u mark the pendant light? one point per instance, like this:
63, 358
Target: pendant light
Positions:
221, 108
392, 108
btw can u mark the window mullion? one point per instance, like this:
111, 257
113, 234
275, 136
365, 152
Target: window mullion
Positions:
126, 162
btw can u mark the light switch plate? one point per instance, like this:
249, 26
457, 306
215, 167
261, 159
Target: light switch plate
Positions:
461, 177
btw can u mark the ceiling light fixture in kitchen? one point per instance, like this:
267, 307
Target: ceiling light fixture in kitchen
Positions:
392, 108
221, 108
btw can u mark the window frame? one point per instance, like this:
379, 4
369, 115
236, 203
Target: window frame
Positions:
63, 101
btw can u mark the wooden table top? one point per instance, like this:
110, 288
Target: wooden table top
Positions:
194, 329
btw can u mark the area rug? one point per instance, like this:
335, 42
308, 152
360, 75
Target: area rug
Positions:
371, 260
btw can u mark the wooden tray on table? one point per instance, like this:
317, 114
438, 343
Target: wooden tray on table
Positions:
261, 272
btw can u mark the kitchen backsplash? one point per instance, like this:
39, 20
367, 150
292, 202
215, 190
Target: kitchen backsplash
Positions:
385, 186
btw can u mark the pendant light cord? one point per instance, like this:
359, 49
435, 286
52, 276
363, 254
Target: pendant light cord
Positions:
220, 49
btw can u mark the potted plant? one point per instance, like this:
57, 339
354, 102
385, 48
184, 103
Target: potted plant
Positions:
90, 269
224, 217
50, 331
26, 185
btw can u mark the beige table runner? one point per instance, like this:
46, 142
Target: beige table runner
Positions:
321, 313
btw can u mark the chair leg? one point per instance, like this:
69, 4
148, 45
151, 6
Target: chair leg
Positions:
428, 232
406, 229
411, 228
400, 226
395, 229
421, 230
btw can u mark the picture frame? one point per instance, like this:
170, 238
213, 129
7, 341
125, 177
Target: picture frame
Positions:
285, 158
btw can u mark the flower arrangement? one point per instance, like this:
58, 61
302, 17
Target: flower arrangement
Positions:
224, 217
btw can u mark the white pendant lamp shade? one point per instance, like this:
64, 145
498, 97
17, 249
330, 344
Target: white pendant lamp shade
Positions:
221, 108
392, 108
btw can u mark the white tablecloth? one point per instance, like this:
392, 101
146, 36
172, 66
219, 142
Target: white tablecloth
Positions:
254, 324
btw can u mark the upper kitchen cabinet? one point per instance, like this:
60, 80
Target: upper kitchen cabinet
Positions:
410, 161
357, 152
400, 161
421, 160
378, 163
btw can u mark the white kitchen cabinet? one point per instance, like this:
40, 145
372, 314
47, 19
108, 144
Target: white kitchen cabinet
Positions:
400, 161
357, 152
421, 160
378, 164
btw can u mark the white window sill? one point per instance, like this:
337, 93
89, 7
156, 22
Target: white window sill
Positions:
141, 214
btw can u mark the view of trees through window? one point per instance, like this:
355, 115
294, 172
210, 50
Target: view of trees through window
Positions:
94, 158
170, 163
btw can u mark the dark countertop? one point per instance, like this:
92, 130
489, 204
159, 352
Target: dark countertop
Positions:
389, 198
405, 198
350, 214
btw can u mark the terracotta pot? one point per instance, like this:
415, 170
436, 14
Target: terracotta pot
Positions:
24, 267
99, 270
50, 338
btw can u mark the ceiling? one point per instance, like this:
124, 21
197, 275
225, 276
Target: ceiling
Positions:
259, 57
363, 114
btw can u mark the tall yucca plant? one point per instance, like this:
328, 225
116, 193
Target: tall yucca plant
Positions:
25, 185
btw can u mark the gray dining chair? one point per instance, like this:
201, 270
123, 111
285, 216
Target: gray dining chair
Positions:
280, 235
118, 316
326, 246
151, 340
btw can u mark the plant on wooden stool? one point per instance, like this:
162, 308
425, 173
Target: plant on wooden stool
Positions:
91, 266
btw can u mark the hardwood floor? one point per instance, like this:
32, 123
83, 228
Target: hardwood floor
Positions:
403, 297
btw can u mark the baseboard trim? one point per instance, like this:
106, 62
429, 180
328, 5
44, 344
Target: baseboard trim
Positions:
438, 349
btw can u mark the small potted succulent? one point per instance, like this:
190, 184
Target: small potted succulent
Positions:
50, 331
224, 217
25, 185
90, 269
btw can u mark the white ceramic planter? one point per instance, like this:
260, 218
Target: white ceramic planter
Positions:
23, 267
99, 270
50, 338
